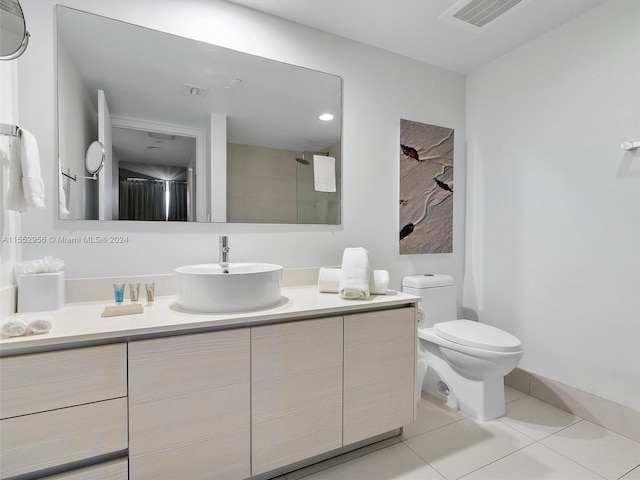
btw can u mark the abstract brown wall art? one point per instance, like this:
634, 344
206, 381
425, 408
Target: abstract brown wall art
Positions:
426, 188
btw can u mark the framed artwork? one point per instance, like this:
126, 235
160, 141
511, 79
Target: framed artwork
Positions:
426, 188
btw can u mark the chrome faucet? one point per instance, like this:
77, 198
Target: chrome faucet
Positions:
223, 257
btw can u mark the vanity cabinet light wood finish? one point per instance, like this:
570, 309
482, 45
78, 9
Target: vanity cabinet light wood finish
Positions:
379, 372
296, 396
50, 439
113, 470
61, 407
189, 406
46, 381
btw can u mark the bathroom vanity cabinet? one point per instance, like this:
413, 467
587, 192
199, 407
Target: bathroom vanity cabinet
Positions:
379, 372
233, 401
189, 406
62, 408
296, 391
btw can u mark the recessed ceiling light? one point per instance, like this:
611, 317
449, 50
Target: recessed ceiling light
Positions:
193, 90
326, 117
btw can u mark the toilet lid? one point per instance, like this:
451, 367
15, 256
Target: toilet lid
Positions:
478, 335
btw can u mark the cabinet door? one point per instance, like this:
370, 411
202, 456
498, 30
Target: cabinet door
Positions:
189, 406
296, 400
379, 372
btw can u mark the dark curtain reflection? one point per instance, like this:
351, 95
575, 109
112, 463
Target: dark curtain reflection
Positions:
145, 199
177, 201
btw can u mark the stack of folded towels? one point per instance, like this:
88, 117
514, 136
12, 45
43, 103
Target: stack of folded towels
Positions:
354, 279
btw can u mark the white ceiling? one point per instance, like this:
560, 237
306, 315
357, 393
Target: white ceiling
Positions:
412, 27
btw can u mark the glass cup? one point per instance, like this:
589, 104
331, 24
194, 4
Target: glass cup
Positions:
118, 290
134, 291
150, 288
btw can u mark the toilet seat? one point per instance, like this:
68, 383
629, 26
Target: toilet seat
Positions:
477, 335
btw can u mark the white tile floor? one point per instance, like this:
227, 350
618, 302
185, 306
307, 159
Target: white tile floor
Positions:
534, 440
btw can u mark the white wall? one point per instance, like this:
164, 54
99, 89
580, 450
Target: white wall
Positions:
10, 225
380, 88
553, 244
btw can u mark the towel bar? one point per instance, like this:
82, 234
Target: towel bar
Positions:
7, 129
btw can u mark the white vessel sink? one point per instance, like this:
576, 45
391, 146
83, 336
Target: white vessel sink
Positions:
248, 286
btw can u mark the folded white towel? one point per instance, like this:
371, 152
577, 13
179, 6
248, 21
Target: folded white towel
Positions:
32, 182
329, 281
324, 173
62, 195
355, 274
15, 195
26, 188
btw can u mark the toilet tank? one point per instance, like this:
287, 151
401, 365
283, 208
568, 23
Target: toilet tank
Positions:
437, 294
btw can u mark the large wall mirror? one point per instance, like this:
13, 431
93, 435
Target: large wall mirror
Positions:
191, 131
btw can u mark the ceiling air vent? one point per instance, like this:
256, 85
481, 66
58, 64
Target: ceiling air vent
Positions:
478, 14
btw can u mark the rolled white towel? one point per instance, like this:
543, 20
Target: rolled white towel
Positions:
379, 282
329, 281
355, 274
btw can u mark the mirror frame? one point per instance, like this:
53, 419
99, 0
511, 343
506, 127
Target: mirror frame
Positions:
25, 39
94, 152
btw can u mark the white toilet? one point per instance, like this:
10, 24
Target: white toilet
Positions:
460, 362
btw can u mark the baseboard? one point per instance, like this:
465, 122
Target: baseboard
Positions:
610, 415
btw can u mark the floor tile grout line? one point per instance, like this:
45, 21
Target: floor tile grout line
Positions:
627, 473
496, 460
403, 439
573, 460
425, 461
580, 419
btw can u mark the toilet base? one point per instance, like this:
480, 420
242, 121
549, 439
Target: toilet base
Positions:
482, 399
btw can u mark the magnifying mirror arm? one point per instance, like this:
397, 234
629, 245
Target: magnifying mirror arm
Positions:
93, 177
76, 177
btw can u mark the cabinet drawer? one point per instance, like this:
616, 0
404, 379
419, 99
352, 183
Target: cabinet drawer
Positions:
114, 470
46, 381
34, 442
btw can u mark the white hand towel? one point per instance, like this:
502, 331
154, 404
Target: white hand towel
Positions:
329, 281
32, 183
355, 274
324, 173
62, 195
26, 188
15, 195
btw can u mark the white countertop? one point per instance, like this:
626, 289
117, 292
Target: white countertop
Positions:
81, 323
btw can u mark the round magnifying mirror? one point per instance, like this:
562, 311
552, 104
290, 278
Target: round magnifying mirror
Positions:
94, 159
13, 30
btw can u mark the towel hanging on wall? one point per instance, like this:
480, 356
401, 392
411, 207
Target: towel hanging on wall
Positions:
26, 188
324, 173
